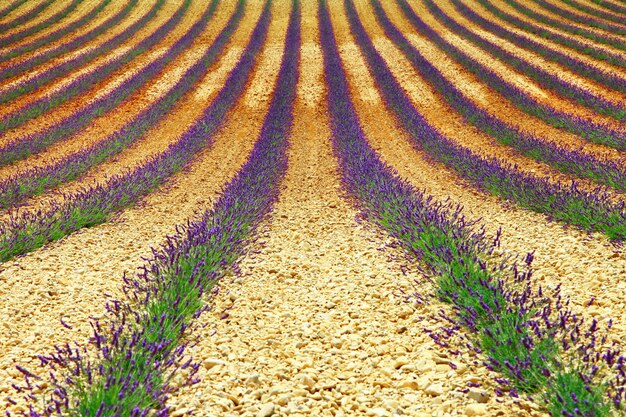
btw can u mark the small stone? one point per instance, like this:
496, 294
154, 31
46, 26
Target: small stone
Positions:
401, 361
434, 390
476, 410
409, 384
266, 410
305, 380
210, 363
477, 395
253, 380
181, 412
379, 412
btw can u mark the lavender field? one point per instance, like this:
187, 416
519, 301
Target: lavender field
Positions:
324, 208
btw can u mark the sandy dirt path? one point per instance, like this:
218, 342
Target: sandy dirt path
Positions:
69, 278
313, 327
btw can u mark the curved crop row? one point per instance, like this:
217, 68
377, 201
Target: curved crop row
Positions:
585, 128
17, 36
62, 68
62, 31
566, 27
590, 211
23, 147
611, 6
581, 19
136, 364
30, 230
594, 73
24, 18
525, 335
596, 12
36, 180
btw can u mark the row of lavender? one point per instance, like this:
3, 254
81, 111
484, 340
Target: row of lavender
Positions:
22, 147
572, 161
56, 34
542, 348
62, 68
19, 35
149, 332
591, 211
30, 229
27, 183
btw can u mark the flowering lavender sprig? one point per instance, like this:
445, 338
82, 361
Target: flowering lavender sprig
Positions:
60, 69
25, 146
529, 336
25, 17
146, 347
591, 211
603, 77
61, 14
10, 7
613, 41
29, 230
36, 180
56, 34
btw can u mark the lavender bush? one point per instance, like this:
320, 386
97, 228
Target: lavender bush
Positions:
530, 337
606, 78
148, 332
10, 7
25, 17
22, 147
583, 19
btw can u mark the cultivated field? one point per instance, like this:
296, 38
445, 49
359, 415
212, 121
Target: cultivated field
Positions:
312, 208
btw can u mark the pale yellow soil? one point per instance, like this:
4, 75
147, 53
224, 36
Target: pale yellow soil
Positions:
69, 278
473, 88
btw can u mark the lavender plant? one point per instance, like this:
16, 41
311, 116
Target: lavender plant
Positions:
38, 179
583, 127
54, 35
611, 6
132, 375
17, 36
530, 337
590, 211
606, 78
29, 230
62, 68
599, 13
